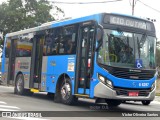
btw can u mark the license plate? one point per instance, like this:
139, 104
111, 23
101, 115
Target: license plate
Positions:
133, 93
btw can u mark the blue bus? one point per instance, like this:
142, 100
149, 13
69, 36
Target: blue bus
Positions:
104, 56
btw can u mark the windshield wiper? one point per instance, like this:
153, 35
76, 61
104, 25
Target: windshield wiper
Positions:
143, 39
138, 42
141, 42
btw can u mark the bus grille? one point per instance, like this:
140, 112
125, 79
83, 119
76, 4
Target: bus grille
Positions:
133, 75
130, 73
125, 92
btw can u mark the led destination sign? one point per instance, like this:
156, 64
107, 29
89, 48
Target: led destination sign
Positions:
128, 22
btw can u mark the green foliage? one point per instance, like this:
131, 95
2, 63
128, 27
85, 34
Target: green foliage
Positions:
17, 15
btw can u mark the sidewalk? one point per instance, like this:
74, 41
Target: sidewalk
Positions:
157, 98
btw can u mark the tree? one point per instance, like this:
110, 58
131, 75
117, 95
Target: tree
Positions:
22, 14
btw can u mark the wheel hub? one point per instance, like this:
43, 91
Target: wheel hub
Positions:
65, 91
19, 84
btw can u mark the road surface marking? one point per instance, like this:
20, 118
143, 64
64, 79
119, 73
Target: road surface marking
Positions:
1, 102
2, 109
155, 102
5, 107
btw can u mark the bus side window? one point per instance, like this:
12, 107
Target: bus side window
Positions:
47, 45
51, 42
61, 47
24, 45
7, 48
70, 33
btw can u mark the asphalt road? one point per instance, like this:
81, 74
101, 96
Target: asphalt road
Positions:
39, 102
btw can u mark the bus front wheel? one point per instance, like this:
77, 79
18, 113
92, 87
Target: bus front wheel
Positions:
113, 103
146, 102
66, 92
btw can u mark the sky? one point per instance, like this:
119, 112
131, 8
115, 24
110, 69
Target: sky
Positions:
143, 8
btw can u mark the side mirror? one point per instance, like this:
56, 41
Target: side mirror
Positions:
99, 36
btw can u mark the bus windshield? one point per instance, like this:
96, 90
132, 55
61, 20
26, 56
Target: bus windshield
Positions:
127, 49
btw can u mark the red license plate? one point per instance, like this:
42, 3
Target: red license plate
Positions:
133, 93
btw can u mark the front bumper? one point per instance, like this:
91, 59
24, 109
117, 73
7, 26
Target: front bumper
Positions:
102, 91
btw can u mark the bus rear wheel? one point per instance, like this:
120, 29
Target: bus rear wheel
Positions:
146, 102
19, 86
66, 92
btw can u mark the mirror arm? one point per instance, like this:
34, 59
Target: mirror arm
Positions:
101, 37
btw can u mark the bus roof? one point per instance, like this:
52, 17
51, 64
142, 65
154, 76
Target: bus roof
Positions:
53, 24
67, 21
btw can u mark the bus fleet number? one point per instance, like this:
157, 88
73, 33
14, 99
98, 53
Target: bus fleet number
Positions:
143, 84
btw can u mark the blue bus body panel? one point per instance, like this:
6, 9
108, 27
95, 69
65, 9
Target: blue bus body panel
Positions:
56, 66
94, 80
81, 91
3, 57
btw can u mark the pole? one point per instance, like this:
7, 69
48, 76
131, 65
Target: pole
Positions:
133, 7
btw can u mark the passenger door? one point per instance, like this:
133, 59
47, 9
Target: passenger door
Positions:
36, 62
85, 57
11, 64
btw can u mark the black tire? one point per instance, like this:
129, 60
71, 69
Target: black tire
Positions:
19, 86
113, 103
27, 92
50, 95
66, 93
146, 102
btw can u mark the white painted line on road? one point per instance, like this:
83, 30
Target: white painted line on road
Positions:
10, 87
2, 109
1, 102
5, 106
155, 102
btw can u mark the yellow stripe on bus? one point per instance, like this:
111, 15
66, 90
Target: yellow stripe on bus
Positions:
34, 90
81, 95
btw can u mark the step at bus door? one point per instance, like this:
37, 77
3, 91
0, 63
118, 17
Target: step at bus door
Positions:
85, 57
36, 62
11, 63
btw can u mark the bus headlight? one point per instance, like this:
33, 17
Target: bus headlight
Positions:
105, 81
101, 78
109, 83
153, 86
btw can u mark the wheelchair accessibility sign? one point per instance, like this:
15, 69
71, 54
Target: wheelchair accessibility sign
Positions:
138, 63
